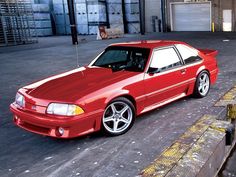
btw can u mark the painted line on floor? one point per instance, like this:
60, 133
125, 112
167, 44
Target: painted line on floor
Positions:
228, 98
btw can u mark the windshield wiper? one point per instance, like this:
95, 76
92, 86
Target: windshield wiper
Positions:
113, 67
116, 68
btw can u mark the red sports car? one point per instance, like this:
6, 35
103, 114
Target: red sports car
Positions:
124, 81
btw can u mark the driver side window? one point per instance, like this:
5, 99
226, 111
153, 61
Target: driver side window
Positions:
165, 59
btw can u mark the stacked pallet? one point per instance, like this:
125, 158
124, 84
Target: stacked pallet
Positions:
61, 17
89, 15
115, 15
15, 18
96, 10
81, 17
42, 20
132, 16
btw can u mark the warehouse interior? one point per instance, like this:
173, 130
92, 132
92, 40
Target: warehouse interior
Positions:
22, 21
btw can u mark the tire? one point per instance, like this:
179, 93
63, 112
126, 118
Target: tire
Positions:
118, 117
202, 85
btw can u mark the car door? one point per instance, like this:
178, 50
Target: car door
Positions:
164, 80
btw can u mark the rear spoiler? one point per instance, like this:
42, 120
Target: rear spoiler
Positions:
209, 52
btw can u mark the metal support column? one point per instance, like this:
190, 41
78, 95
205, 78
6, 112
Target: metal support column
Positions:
233, 15
72, 21
142, 16
107, 15
163, 15
124, 17
52, 17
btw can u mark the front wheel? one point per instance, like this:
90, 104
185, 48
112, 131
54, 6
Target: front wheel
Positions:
118, 117
202, 85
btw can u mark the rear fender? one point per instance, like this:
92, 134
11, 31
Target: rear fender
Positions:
200, 69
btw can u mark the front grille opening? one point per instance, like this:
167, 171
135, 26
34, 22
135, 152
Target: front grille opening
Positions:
35, 128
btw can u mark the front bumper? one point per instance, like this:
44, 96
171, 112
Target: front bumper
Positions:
49, 126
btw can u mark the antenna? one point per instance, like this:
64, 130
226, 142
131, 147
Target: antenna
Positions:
77, 54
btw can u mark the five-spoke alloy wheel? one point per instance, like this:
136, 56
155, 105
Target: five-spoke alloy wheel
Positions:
118, 116
202, 85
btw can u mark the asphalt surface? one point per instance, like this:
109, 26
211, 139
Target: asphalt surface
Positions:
26, 154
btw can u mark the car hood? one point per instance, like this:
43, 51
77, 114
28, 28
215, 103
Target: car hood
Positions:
72, 85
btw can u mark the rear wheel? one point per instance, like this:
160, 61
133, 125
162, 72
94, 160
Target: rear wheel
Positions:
202, 85
118, 116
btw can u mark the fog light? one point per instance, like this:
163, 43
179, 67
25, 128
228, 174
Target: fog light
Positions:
15, 118
61, 130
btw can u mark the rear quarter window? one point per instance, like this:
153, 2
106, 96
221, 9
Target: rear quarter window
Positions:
188, 54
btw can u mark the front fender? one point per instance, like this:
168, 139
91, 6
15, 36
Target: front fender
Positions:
116, 94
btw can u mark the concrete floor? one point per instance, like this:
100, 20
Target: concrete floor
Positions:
26, 154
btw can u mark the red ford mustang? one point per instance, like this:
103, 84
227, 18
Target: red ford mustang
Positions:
124, 81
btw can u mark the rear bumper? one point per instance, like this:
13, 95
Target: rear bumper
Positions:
45, 125
214, 75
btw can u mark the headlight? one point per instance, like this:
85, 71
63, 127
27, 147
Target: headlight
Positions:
64, 109
20, 100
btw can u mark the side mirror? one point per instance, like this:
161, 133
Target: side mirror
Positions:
152, 70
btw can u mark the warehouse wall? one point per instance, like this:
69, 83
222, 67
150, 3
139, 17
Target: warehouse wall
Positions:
51, 16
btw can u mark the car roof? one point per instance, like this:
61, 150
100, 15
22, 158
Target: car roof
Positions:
148, 43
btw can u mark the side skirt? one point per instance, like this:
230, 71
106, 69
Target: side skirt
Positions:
154, 106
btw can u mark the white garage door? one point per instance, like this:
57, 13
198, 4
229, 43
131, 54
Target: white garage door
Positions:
152, 8
191, 16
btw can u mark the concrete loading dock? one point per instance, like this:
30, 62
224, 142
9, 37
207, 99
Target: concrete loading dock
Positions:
26, 154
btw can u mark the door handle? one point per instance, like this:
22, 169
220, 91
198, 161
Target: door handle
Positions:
183, 71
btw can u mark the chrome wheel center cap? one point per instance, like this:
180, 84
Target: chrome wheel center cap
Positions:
117, 116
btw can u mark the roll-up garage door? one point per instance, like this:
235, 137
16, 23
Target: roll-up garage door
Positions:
191, 16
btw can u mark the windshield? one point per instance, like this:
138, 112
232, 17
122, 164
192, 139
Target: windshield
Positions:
123, 58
